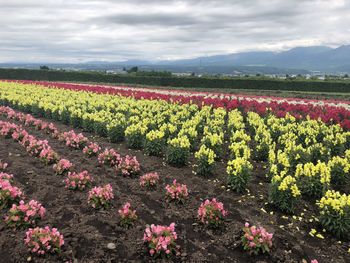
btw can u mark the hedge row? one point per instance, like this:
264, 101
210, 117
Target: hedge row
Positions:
185, 82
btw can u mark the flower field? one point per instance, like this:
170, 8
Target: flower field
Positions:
104, 174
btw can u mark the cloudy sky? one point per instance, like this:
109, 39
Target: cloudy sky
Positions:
85, 30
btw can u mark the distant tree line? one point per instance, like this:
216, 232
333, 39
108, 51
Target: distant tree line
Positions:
153, 73
340, 86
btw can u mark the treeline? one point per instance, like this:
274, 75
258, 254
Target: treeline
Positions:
173, 81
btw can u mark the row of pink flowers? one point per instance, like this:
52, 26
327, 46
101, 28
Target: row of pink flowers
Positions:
21, 214
126, 166
36, 148
99, 197
39, 240
326, 112
29, 120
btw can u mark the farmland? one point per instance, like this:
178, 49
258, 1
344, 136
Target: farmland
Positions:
222, 177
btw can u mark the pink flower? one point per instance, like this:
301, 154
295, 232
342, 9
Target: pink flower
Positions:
128, 166
6, 176
74, 140
149, 180
91, 149
211, 212
3, 166
256, 239
42, 240
63, 166
176, 192
161, 240
48, 155
109, 157
25, 214
128, 216
78, 181
9, 194
101, 197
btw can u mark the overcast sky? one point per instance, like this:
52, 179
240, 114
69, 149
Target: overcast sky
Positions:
85, 30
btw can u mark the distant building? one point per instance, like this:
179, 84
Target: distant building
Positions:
182, 74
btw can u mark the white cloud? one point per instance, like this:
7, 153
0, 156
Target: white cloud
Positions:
82, 30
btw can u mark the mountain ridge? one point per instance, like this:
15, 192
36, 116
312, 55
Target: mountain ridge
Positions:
299, 59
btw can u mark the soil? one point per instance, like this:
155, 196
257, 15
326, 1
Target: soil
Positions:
87, 231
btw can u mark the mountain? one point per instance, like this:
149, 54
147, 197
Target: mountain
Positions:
314, 58
320, 58
299, 60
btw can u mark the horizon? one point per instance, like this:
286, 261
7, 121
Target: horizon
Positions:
170, 60
80, 31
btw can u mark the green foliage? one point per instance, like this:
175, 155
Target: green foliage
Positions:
176, 156
239, 172
186, 82
335, 214
178, 151
100, 128
135, 135
205, 161
284, 193
44, 67
88, 124
115, 132
154, 143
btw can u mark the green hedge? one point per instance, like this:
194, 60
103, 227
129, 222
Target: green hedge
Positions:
185, 82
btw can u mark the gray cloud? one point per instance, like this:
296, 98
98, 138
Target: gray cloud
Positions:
82, 30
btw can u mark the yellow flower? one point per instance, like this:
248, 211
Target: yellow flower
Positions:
236, 166
154, 135
240, 150
289, 183
206, 153
181, 142
335, 201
